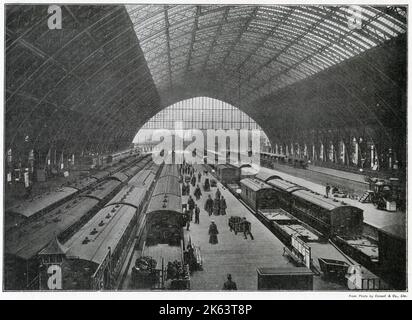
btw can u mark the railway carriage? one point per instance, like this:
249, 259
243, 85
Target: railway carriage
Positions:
257, 194
163, 234
268, 159
283, 190
61, 219
329, 216
22, 244
228, 173
97, 252
164, 211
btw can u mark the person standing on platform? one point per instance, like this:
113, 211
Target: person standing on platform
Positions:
218, 194
327, 190
199, 176
213, 232
193, 180
247, 228
216, 206
197, 193
191, 204
209, 205
223, 206
207, 185
229, 284
197, 214
187, 216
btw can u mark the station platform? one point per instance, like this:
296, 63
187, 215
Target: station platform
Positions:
233, 254
236, 255
360, 178
372, 216
351, 183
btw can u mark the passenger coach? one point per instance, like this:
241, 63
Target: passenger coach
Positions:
258, 194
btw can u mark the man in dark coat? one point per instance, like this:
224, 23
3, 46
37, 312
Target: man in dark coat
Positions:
213, 232
223, 206
218, 194
197, 214
216, 206
199, 176
193, 181
229, 284
327, 190
191, 204
197, 193
209, 205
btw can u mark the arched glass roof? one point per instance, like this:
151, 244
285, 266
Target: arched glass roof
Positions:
92, 84
255, 50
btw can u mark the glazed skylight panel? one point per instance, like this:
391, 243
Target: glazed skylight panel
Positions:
313, 38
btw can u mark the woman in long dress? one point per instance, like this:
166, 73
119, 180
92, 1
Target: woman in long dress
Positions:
223, 206
207, 185
213, 232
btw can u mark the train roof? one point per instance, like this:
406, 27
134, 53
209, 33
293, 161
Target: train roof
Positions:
82, 183
166, 195
143, 178
255, 184
274, 154
167, 185
228, 166
241, 165
320, 200
30, 207
266, 176
130, 195
164, 202
101, 190
130, 172
115, 167
115, 221
119, 176
27, 240
54, 247
284, 185
248, 171
170, 170
100, 174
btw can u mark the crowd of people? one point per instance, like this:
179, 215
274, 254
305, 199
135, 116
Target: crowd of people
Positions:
192, 177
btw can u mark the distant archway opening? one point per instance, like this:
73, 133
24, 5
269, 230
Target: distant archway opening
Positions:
200, 113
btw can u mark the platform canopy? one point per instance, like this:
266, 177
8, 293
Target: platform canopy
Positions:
93, 83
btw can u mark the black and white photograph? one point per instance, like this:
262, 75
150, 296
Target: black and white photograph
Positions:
218, 147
